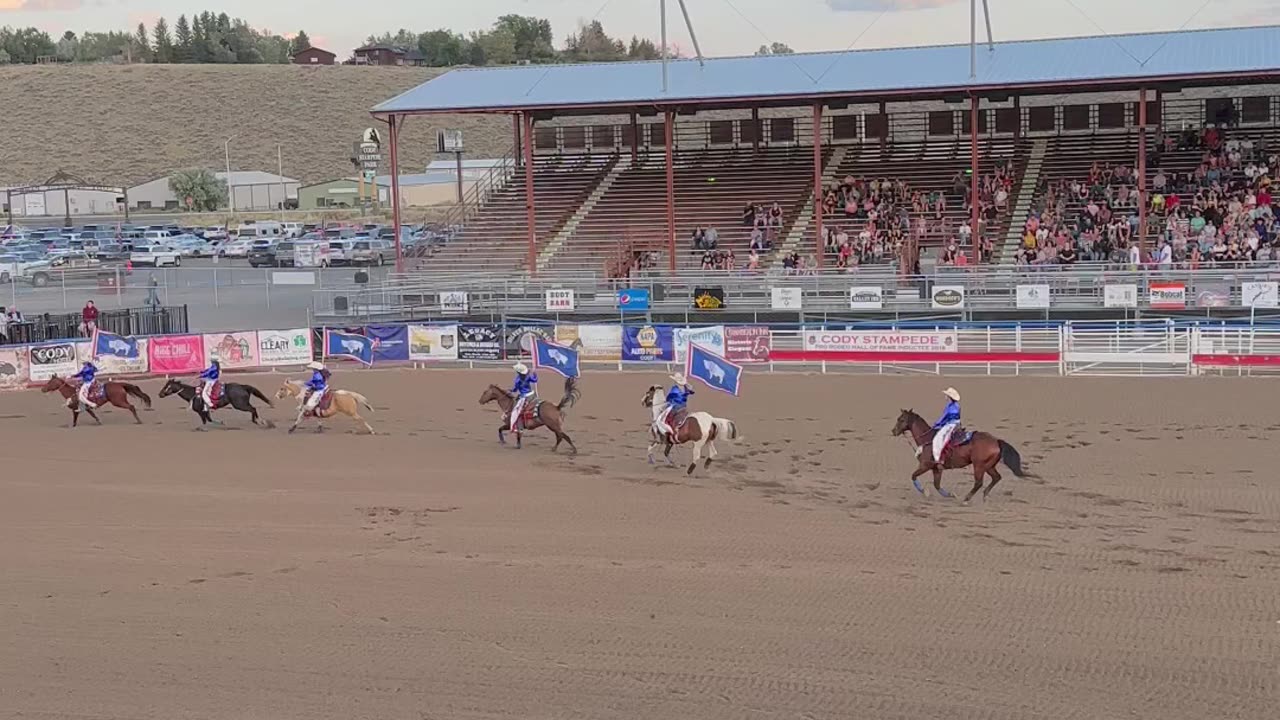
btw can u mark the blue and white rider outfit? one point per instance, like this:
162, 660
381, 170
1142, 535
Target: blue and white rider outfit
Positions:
207, 380
946, 424
677, 399
316, 386
525, 387
86, 377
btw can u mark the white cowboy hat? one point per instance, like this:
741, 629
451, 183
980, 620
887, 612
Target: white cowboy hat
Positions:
952, 393
680, 379
315, 365
520, 368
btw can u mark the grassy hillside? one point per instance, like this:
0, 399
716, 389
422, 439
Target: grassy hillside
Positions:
125, 124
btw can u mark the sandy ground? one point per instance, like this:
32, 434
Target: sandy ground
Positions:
155, 572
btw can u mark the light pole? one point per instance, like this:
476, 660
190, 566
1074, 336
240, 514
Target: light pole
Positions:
226, 155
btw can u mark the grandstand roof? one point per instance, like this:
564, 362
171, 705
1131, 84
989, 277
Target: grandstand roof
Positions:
1106, 62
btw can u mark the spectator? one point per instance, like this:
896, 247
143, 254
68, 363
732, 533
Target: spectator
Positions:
749, 214
753, 261
89, 318
712, 238
699, 237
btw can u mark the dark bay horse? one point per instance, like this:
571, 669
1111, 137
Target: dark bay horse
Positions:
237, 395
699, 428
983, 451
116, 393
552, 415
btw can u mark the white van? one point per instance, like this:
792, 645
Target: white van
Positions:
252, 231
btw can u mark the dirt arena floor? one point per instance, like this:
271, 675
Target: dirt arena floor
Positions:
427, 573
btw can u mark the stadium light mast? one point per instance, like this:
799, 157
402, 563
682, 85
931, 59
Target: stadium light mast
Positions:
973, 35
662, 15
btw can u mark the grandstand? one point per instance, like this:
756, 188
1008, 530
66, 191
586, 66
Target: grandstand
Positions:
623, 169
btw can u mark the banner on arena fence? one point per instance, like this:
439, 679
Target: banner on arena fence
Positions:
112, 364
648, 343
45, 361
13, 368
600, 343
233, 349
560, 300
349, 345
940, 341
633, 300
454, 303
176, 354
714, 371
948, 297
284, 347
748, 343
390, 342
1120, 296
518, 342
433, 342
1213, 295
1167, 295
109, 344
866, 298
708, 298
559, 359
479, 342
1260, 294
787, 298
1033, 297
711, 338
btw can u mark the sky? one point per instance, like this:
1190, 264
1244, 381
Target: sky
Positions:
724, 27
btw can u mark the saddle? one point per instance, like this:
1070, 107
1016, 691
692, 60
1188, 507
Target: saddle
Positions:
215, 392
326, 400
677, 418
97, 392
961, 437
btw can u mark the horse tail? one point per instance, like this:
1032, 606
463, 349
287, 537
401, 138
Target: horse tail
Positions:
258, 394
135, 391
571, 395
726, 429
1009, 455
364, 401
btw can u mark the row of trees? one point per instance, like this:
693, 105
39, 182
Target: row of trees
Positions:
204, 38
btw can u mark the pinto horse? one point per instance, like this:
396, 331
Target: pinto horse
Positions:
983, 451
346, 402
237, 395
536, 415
116, 393
704, 429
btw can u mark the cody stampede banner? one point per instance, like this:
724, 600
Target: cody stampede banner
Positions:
479, 342
45, 361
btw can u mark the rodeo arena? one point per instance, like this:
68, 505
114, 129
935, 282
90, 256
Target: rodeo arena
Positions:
656, 434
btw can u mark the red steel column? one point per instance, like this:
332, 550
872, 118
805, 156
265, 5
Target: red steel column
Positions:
671, 191
1142, 171
530, 209
395, 190
515, 135
817, 180
973, 180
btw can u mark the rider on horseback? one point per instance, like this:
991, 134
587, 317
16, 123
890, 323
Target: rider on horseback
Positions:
86, 377
677, 402
525, 387
317, 386
946, 425
208, 379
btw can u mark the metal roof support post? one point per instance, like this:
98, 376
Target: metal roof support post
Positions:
755, 131
884, 128
531, 210
1142, 171
1017, 117
516, 155
671, 191
635, 138
974, 215
395, 189
817, 180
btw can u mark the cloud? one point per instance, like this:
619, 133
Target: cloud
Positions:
41, 5
886, 5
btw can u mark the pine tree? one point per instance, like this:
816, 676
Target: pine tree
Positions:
143, 44
163, 43
184, 49
300, 42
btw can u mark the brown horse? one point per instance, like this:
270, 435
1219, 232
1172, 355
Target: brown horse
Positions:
116, 393
345, 402
699, 428
536, 415
983, 451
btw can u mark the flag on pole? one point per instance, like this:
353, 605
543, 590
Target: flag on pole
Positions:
556, 358
113, 345
714, 371
349, 345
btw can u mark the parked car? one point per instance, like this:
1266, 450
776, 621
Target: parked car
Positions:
370, 251
76, 268
157, 255
262, 253
292, 229
339, 249
15, 265
235, 248
187, 245
113, 251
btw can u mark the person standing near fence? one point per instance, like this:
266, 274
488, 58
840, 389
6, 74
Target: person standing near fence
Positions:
89, 318
153, 298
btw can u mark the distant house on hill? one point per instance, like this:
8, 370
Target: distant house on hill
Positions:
388, 55
314, 56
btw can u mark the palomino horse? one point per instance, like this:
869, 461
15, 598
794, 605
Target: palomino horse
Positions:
704, 429
237, 395
984, 451
536, 415
345, 402
116, 393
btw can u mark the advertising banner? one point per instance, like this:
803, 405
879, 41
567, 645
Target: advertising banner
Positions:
1167, 295
111, 365
600, 343
1120, 296
941, 341
176, 354
433, 342
453, 303
710, 338
1033, 297
866, 298
13, 368
1213, 294
948, 297
234, 349
648, 343
479, 342
390, 342
1264, 294
518, 342
708, 298
787, 298
560, 300
284, 347
747, 343
45, 361
633, 300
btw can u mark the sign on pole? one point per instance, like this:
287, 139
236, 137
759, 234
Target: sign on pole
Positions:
449, 141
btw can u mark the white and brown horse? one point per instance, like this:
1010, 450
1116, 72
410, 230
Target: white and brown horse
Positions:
699, 428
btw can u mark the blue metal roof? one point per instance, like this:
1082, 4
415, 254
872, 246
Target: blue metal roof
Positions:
1054, 63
